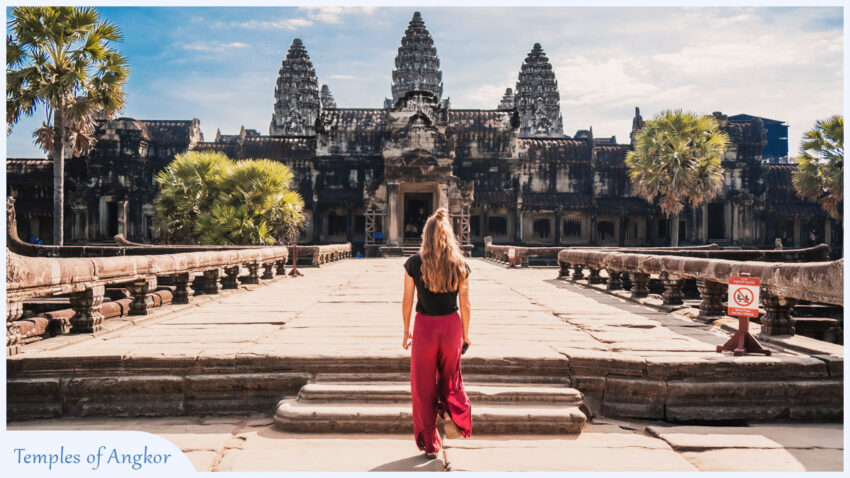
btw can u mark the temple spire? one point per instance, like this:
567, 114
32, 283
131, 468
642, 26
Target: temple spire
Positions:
296, 94
637, 124
327, 98
507, 102
537, 97
417, 67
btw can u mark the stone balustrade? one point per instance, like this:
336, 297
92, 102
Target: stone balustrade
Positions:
85, 279
786, 279
325, 253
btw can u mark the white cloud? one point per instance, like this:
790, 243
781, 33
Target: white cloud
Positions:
213, 46
277, 24
343, 77
334, 14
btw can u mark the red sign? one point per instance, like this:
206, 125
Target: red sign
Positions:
744, 296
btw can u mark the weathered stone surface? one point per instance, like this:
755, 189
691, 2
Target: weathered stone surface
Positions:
633, 397
123, 396
729, 459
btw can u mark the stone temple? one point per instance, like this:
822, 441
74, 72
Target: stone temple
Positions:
369, 175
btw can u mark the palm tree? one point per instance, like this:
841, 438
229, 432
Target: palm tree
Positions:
676, 159
209, 199
187, 186
60, 58
820, 166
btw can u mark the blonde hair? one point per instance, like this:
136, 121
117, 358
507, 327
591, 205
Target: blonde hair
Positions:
443, 265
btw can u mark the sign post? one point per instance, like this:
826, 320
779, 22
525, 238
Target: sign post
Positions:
743, 303
512, 257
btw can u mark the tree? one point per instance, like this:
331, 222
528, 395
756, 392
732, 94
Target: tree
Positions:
820, 166
61, 58
677, 159
207, 198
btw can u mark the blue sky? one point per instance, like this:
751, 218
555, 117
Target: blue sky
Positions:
220, 64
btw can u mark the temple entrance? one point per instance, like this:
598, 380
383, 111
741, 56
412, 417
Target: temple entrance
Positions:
417, 208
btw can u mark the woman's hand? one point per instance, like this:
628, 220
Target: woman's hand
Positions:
405, 342
466, 339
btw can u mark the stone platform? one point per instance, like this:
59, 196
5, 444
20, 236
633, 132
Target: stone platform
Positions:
243, 352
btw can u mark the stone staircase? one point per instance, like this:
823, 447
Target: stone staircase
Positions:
410, 246
384, 407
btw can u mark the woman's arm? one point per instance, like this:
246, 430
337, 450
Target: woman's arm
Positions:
407, 306
463, 297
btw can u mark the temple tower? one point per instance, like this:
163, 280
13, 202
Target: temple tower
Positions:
296, 95
637, 125
507, 102
327, 98
537, 97
417, 67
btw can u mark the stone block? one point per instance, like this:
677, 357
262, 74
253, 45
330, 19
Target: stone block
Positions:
29, 398
239, 393
634, 397
726, 400
123, 396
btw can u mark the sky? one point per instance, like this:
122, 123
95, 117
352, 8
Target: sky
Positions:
220, 64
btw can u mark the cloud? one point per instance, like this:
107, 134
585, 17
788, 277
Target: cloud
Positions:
213, 46
343, 77
278, 24
334, 14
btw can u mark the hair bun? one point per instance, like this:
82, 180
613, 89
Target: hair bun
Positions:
440, 213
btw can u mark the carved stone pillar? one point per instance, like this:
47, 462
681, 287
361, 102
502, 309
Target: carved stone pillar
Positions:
594, 277
673, 294
392, 222
281, 267
231, 277
640, 284
181, 288
211, 285
142, 302
712, 294
626, 281
577, 273
253, 273
268, 271
614, 281
14, 311
777, 319
564, 270
86, 304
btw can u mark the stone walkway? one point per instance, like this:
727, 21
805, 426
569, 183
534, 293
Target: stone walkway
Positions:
250, 443
352, 309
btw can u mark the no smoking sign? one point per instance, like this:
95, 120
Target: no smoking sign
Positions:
744, 296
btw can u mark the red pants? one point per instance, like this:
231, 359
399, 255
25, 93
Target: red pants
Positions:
435, 381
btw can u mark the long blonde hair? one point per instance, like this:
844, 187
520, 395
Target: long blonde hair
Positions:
443, 265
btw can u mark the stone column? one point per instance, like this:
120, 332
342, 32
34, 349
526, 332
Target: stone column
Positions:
625, 281
593, 227
253, 273
349, 225
640, 284
621, 230
231, 277
564, 270
86, 304
594, 277
558, 226
614, 282
777, 319
142, 302
577, 273
281, 267
317, 223
672, 289
181, 290
268, 271
211, 285
712, 294
485, 223
392, 215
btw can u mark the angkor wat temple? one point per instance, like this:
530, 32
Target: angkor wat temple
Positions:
368, 175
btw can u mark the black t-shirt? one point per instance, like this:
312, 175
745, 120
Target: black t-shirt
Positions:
427, 302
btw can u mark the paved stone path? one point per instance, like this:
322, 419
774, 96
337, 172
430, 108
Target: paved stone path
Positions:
352, 309
250, 443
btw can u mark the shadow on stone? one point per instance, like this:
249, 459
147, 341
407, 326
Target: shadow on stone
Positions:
413, 463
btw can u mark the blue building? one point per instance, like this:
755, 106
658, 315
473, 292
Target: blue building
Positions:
776, 149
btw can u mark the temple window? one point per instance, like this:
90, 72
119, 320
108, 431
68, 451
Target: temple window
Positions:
336, 225
572, 228
498, 225
632, 229
542, 228
605, 230
475, 225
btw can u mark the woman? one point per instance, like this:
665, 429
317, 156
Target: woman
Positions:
440, 276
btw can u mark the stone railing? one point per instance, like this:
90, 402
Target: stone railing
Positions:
499, 253
85, 279
783, 282
319, 254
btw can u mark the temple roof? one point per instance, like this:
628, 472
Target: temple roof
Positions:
327, 98
417, 67
574, 201
296, 94
537, 97
552, 149
31, 169
778, 176
612, 154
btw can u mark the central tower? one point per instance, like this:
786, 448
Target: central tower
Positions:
417, 67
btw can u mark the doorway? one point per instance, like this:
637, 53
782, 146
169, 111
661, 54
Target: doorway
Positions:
417, 208
716, 221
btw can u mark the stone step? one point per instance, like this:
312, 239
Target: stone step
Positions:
386, 408
400, 393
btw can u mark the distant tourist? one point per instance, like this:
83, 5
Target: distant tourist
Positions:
813, 237
440, 275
